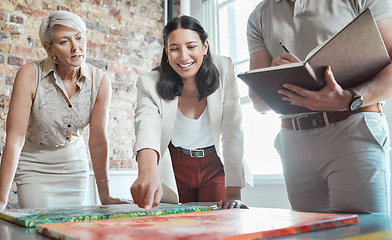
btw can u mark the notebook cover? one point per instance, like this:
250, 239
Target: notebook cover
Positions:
233, 224
266, 85
31, 217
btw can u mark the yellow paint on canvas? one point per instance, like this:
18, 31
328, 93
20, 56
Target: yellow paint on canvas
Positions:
386, 235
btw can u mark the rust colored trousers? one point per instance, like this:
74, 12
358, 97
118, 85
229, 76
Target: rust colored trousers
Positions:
198, 179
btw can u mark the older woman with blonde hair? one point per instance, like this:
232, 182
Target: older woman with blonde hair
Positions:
52, 102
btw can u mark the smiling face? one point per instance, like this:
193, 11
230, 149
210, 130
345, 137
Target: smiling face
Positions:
68, 46
185, 52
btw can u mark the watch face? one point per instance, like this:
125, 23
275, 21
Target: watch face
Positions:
357, 103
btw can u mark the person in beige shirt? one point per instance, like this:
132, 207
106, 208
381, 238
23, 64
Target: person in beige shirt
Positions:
335, 157
52, 102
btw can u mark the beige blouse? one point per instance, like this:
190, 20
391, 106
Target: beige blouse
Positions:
55, 119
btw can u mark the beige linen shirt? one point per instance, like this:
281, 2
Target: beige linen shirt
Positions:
56, 119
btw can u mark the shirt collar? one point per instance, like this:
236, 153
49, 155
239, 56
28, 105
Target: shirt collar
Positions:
85, 72
50, 66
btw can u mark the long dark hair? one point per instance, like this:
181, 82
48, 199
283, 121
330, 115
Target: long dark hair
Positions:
170, 83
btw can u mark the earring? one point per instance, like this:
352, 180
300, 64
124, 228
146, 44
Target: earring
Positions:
205, 57
54, 58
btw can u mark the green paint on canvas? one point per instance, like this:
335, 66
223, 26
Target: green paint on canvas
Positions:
32, 217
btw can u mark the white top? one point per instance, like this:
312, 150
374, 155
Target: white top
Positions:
192, 133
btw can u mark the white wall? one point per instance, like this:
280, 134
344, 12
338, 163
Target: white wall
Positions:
120, 183
268, 191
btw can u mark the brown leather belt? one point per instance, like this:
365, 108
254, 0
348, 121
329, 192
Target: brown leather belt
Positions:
200, 152
318, 120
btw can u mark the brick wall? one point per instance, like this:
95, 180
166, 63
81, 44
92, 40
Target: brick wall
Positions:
124, 39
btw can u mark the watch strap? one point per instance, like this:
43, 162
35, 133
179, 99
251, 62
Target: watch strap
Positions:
356, 100
355, 94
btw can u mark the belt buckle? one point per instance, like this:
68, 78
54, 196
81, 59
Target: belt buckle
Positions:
314, 123
197, 153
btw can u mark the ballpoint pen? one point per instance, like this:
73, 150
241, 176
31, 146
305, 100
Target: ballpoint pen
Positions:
284, 47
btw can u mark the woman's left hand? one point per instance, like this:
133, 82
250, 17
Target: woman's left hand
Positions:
111, 200
231, 203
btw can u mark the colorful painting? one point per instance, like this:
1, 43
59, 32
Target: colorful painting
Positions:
238, 224
31, 217
385, 235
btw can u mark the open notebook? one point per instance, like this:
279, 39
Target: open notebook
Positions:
356, 53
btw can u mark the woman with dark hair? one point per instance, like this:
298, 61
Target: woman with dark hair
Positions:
185, 109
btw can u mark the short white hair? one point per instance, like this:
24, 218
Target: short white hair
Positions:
61, 17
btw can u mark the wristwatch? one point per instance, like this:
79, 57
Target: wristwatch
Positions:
356, 101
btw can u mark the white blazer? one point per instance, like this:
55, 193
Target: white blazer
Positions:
155, 118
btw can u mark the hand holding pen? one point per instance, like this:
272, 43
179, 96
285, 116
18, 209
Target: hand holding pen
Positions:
284, 58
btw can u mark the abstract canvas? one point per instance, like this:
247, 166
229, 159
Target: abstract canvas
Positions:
238, 224
383, 235
31, 217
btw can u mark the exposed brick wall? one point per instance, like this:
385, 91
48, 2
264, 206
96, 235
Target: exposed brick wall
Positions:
124, 39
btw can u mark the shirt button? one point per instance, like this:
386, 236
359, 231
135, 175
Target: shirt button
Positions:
69, 125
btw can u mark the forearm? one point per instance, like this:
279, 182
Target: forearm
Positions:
377, 89
99, 159
147, 160
8, 167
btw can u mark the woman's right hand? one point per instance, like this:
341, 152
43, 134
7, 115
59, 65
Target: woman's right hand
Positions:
147, 189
